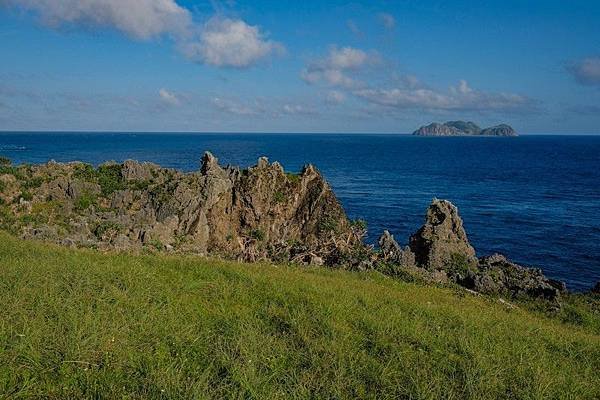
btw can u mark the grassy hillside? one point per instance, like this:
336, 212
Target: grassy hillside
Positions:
81, 324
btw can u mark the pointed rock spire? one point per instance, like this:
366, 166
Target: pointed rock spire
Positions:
263, 162
209, 162
442, 241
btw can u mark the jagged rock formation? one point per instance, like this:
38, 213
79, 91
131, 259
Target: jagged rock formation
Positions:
392, 252
442, 240
256, 213
463, 128
259, 213
440, 249
497, 275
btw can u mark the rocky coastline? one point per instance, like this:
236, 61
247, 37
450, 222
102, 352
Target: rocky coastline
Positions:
253, 214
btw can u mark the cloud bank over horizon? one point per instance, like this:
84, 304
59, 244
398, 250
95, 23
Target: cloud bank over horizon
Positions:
342, 69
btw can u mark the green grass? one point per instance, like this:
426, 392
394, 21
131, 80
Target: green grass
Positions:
293, 178
82, 324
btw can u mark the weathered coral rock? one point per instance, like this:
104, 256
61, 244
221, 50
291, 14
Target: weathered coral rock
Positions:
497, 275
442, 240
257, 213
135, 171
393, 252
441, 250
249, 214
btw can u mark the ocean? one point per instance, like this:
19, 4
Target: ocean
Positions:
535, 199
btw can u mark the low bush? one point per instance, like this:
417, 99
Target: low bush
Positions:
110, 178
293, 178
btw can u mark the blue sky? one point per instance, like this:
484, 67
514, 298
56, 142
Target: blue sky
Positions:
310, 66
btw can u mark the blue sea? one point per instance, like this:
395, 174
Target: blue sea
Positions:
535, 199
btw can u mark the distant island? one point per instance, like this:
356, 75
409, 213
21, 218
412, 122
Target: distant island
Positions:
463, 128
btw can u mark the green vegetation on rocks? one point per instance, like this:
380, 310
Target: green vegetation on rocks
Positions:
293, 178
84, 201
110, 178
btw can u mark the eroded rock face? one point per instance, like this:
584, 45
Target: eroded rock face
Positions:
249, 214
442, 240
257, 213
497, 275
392, 252
441, 251
135, 171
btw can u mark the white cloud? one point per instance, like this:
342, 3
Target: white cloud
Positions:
232, 107
259, 107
353, 27
334, 68
169, 97
337, 78
586, 71
335, 97
297, 109
459, 98
141, 19
387, 20
226, 42
406, 98
346, 58
221, 42
333, 77
342, 67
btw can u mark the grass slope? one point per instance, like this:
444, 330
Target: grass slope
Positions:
81, 324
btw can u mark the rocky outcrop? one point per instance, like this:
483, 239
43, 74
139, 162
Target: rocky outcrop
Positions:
440, 250
258, 213
463, 128
437, 129
497, 275
442, 240
499, 130
250, 214
392, 252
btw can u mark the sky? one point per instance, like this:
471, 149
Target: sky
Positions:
298, 66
